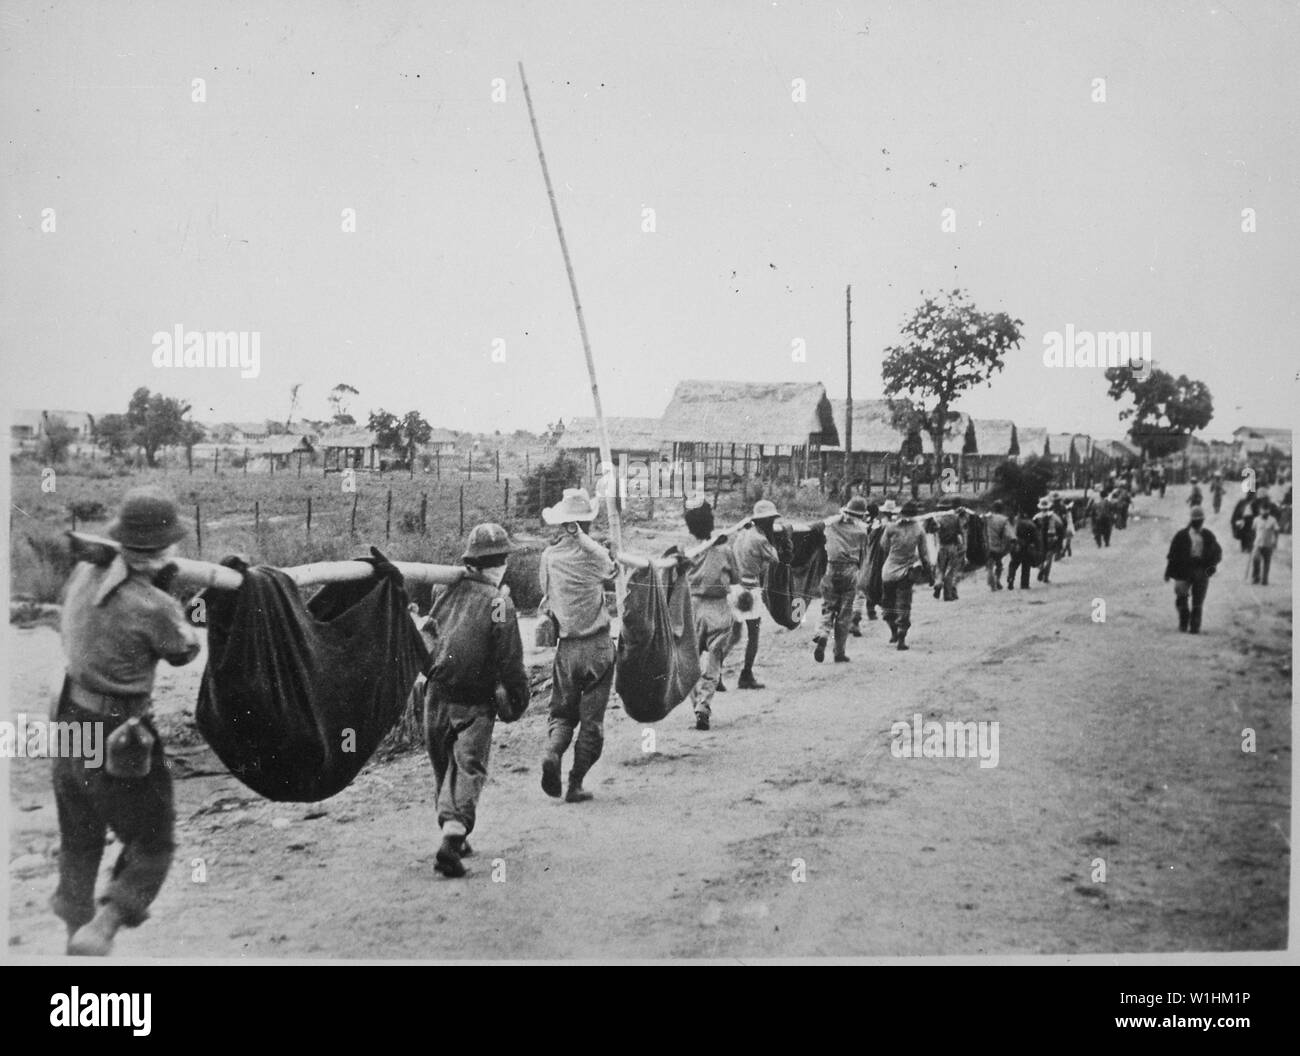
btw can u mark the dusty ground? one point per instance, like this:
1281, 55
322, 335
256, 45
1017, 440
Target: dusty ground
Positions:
1120, 741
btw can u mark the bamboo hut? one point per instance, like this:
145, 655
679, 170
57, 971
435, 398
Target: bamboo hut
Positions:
738, 430
350, 449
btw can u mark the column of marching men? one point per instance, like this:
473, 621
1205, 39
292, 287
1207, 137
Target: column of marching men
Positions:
119, 621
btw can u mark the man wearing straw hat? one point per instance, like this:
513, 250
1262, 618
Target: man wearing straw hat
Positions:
1051, 531
904, 547
574, 573
846, 551
1194, 555
756, 547
476, 677
878, 518
118, 623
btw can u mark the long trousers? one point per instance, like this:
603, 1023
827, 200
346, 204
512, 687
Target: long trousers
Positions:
458, 738
1021, 562
90, 802
839, 584
1101, 532
751, 645
1259, 565
897, 603
1045, 573
717, 633
1190, 619
994, 568
949, 566
582, 678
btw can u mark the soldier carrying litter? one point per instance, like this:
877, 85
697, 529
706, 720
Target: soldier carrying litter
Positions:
476, 677
118, 622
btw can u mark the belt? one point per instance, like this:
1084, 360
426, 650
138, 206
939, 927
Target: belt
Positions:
135, 704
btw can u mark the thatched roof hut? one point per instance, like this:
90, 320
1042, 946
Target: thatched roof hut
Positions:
776, 414
873, 429
995, 437
350, 449
636, 436
1032, 440
724, 425
1061, 446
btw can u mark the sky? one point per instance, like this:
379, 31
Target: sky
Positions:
450, 296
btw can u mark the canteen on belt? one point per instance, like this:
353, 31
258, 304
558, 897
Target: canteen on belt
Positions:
129, 752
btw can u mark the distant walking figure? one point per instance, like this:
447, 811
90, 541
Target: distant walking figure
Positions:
1194, 554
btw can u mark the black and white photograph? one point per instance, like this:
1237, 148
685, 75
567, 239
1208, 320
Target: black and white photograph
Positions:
575, 482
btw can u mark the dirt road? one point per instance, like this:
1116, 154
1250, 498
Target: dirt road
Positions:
790, 829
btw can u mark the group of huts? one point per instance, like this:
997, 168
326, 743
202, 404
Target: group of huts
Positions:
735, 431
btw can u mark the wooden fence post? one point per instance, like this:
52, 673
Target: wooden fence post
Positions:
355, 496
216, 455
462, 509
245, 461
506, 501
309, 515
498, 465
198, 528
437, 462
388, 516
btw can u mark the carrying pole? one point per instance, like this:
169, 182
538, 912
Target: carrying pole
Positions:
611, 505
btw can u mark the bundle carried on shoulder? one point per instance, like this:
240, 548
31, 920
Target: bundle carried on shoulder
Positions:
658, 657
798, 578
297, 695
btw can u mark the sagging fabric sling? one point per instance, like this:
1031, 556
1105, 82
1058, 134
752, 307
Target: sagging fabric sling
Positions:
800, 579
297, 696
658, 662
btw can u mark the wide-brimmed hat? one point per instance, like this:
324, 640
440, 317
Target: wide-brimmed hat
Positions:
889, 507
1044, 503
486, 540
764, 508
856, 507
1197, 514
1055, 496
576, 505
910, 509
148, 520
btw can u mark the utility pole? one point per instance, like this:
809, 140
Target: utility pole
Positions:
848, 403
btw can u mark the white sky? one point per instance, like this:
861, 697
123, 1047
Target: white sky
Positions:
225, 215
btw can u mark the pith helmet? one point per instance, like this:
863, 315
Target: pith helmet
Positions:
890, 507
148, 520
1044, 503
857, 507
764, 508
576, 505
485, 540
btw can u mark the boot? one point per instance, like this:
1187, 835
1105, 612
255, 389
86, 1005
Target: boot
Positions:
748, 681
841, 643
720, 688
902, 641
855, 628
1184, 618
871, 613
841, 658
893, 631
701, 721
448, 861
551, 774
576, 793
938, 589
819, 649
96, 938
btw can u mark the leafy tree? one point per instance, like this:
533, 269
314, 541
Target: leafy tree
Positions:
400, 434
1166, 410
58, 438
191, 433
113, 432
951, 347
338, 401
156, 421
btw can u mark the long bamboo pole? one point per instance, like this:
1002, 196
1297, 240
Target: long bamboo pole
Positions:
201, 574
611, 504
